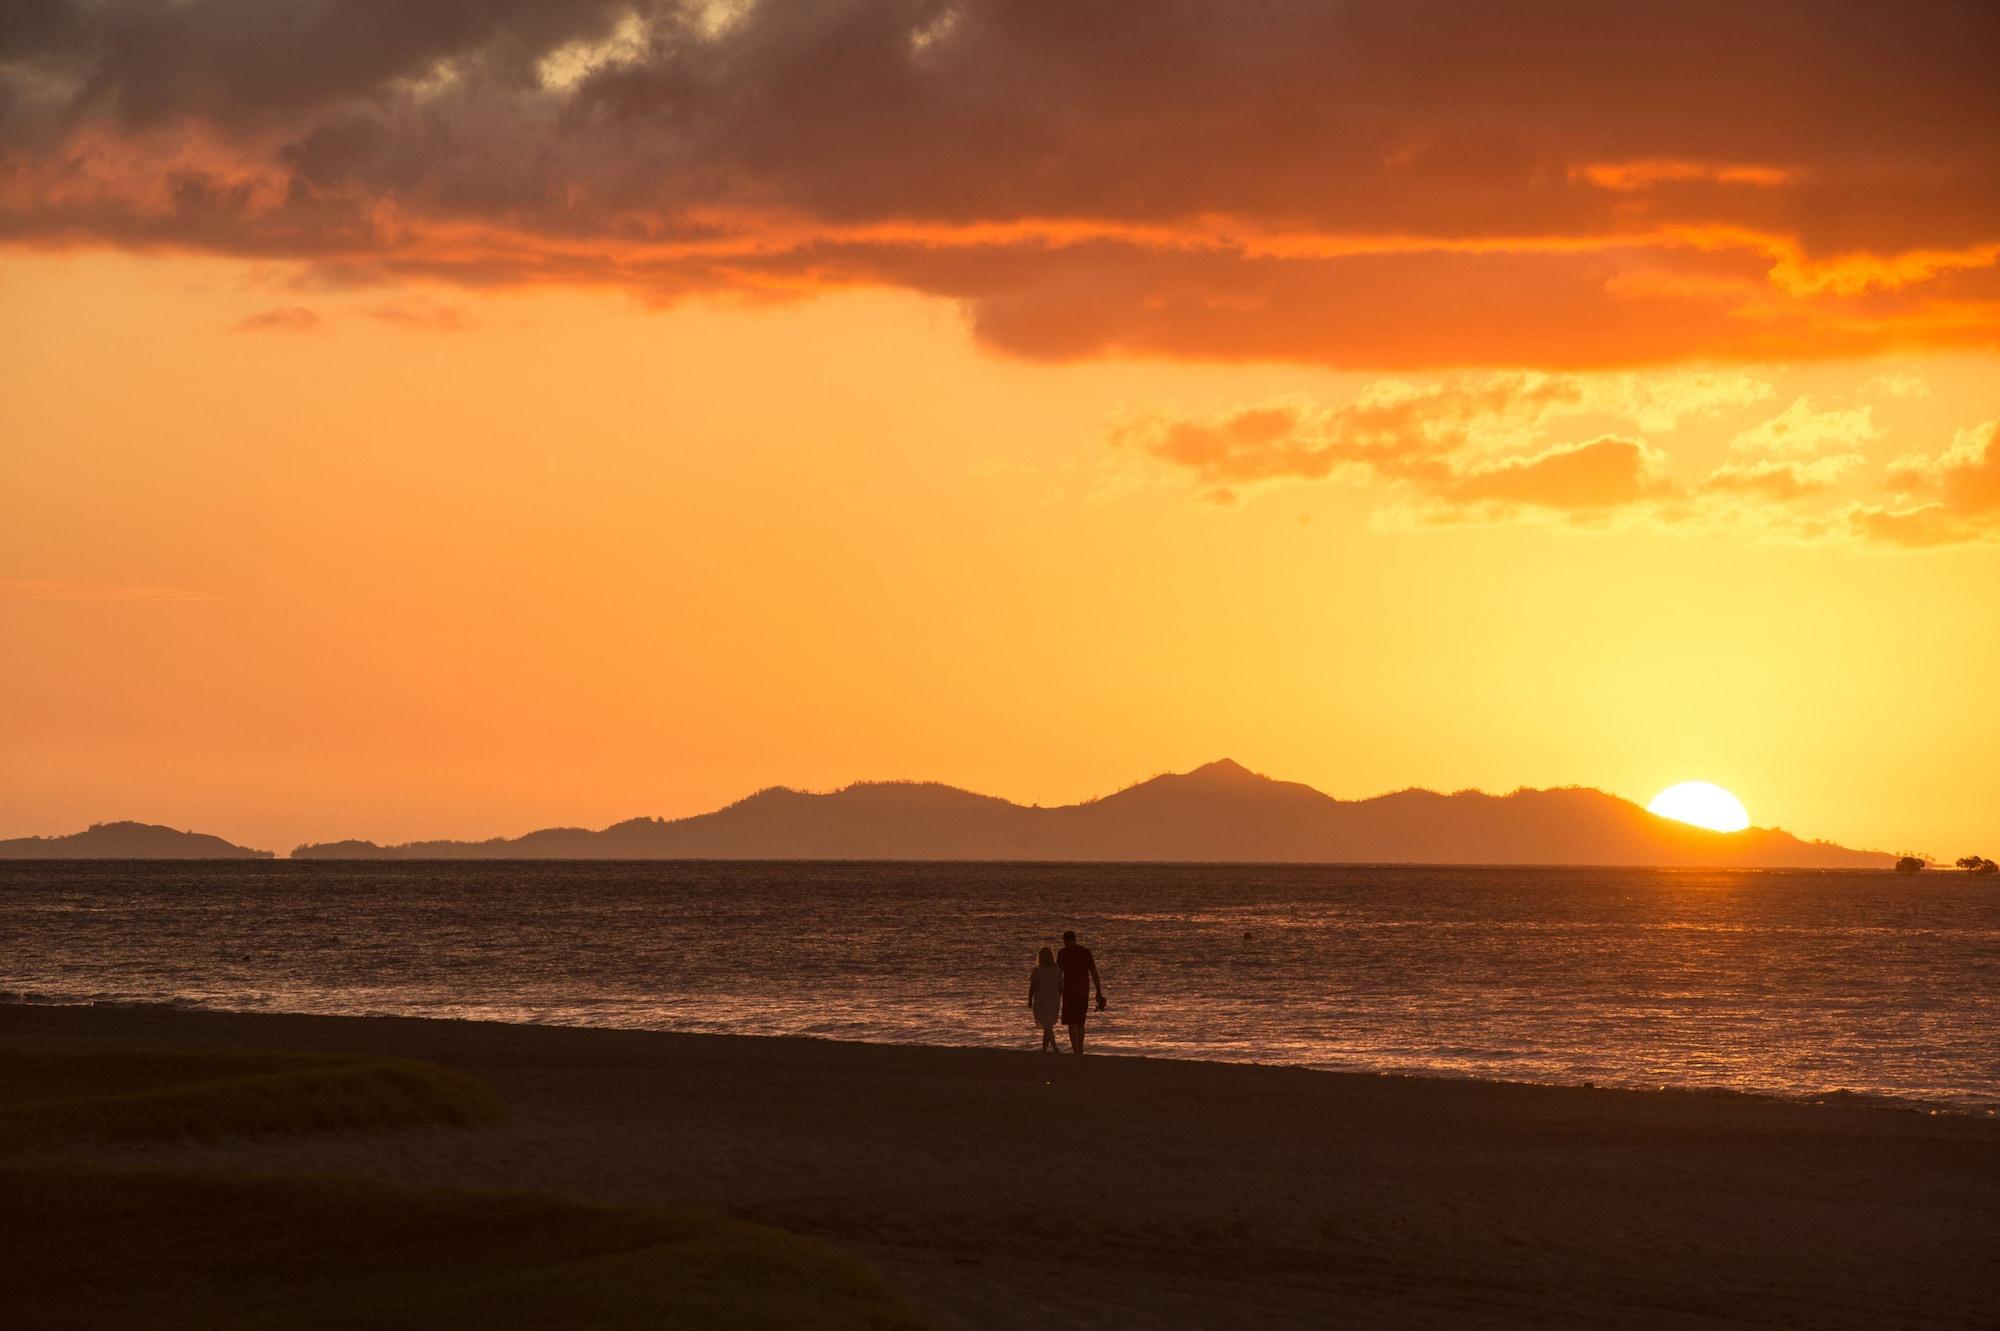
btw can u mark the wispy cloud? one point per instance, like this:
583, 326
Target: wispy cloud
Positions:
425, 315
1896, 385
1804, 428
1781, 481
1599, 475
1957, 496
1448, 439
283, 319
1477, 450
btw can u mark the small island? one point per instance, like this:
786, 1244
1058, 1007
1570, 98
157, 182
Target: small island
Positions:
128, 841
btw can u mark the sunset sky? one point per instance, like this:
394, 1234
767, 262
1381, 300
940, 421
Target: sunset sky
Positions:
447, 420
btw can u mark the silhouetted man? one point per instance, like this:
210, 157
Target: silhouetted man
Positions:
1079, 972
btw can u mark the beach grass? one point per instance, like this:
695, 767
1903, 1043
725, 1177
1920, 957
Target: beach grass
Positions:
52, 1097
104, 1243
171, 1248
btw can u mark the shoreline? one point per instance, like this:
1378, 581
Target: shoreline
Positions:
265, 859
1002, 1189
1837, 1096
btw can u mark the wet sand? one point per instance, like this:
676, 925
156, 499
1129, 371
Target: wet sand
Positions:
1004, 1189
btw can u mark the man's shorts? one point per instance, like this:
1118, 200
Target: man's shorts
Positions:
1075, 1008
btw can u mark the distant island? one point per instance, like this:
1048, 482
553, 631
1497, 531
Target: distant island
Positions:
1218, 813
127, 841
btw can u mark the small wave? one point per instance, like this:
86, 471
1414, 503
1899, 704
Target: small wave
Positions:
99, 998
1907, 1104
51, 997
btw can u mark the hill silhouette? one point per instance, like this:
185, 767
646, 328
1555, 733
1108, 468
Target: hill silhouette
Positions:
127, 841
1220, 812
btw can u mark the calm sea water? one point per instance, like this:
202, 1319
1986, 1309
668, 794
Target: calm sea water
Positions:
1797, 983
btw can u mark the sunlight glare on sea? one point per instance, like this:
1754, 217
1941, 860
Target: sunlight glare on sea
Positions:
1794, 983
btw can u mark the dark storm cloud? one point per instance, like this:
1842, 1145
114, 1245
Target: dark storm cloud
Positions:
1404, 183
239, 62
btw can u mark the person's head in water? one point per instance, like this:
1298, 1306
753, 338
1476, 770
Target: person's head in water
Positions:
1048, 957
1069, 937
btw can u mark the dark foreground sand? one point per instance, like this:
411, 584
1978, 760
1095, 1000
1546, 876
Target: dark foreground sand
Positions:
1008, 1189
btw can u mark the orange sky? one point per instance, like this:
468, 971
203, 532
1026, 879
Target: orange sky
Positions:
556, 413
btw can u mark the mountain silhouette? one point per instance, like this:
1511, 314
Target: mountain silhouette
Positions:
1220, 812
127, 841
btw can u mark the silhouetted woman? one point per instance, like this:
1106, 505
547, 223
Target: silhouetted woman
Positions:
1045, 986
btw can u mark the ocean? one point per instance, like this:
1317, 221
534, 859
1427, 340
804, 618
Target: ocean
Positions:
1794, 983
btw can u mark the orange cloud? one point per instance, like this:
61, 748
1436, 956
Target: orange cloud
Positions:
1427, 184
1475, 449
1962, 486
1604, 473
1924, 527
1428, 440
1968, 473
1649, 172
1802, 428
1393, 429
1782, 482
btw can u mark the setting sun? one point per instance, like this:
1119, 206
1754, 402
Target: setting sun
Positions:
1703, 804
1098, 580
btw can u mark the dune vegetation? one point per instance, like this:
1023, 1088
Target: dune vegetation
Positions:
72, 1096
182, 1248
118, 1244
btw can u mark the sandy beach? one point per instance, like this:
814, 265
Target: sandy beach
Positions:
1001, 1189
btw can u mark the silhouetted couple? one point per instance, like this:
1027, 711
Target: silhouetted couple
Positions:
1060, 987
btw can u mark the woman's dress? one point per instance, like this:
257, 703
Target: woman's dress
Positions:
1046, 987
